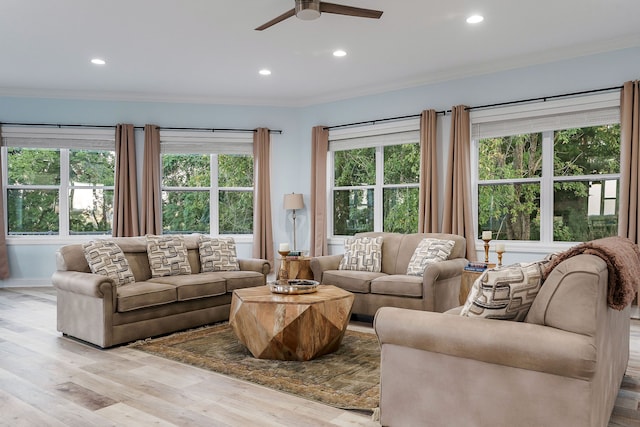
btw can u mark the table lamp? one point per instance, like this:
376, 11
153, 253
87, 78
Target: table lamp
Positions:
293, 201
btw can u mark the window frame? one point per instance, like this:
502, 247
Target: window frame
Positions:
548, 116
212, 144
376, 136
64, 140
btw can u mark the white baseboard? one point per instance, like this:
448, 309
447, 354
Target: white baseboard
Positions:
25, 283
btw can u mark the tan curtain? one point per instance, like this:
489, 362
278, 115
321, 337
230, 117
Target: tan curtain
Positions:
319, 150
428, 200
125, 198
457, 216
629, 218
262, 225
151, 220
4, 258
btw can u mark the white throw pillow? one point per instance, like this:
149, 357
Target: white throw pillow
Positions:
362, 254
504, 293
106, 258
167, 255
429, 251
217, 254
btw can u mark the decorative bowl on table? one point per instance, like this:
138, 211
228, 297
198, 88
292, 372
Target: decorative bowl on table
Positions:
293, 286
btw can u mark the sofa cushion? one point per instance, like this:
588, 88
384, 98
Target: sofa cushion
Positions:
167, 255
352, 281
398, 284
428, 251
218, 254
192, 286
242, 279
144, 294
106, 258
362, 254
504, 292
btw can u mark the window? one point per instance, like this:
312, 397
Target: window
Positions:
549, 172
58, 181
207, 182
375, 178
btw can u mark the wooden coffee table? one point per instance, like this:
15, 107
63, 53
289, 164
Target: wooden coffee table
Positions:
290, 327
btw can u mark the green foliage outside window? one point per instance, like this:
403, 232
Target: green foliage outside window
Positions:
33, 197
583, 208
356, 181
186, 206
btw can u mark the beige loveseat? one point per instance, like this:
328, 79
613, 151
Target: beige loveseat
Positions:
437, 290
92, 308
562, 366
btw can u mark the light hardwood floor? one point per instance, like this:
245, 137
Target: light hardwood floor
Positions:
48, 380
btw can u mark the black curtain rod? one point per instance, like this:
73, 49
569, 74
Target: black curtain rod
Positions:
544, 98
388, 119
499, 104
58, 125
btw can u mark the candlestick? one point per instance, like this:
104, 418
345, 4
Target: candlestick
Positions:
499, 251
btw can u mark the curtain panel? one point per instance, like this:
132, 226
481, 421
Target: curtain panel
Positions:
319, 153
262, 224
457, 216
4, 258
151, 220
428, 199
629, 216
125, 215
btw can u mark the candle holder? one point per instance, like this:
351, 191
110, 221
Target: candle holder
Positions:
486, 250
499, 252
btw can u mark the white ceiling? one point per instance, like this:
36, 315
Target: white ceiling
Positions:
208, 50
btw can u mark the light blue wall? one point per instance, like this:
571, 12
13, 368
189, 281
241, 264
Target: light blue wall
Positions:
291, 157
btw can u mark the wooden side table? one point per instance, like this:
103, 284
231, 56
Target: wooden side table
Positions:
296, 268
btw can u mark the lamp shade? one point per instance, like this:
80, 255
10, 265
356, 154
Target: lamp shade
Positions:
293, 201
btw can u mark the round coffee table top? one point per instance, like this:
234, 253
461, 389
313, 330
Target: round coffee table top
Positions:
264, 294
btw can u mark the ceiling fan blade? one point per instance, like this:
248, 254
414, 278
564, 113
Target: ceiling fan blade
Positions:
274, 21
349, 10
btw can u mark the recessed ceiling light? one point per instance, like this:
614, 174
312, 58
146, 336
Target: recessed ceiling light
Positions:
474, 19
265, 72
339, 53
98, 61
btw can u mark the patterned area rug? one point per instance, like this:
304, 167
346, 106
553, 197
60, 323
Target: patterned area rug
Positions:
346, 379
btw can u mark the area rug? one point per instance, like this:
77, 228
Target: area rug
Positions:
348, 378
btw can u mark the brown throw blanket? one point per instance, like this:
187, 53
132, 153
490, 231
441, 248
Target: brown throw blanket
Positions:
623, 263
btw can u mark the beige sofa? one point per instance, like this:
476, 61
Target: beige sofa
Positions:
562, 366
437, 290
93, 309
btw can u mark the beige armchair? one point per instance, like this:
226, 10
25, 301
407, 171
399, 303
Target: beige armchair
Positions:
562, 366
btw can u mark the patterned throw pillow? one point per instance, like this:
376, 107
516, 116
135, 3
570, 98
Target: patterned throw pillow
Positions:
504, 293
106, 258
167, 255
362, 254
217, 254
428, 251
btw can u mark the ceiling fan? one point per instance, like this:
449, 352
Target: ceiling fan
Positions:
311, 9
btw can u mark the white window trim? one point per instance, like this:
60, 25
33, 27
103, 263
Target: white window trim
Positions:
62, 138
584, 111
212, 144
377, 136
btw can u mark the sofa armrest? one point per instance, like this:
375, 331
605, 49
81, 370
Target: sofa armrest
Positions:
445, 269
514, 344
255, 264
320, 264
93, 285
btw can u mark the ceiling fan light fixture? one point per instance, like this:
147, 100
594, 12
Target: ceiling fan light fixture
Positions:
307, 10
